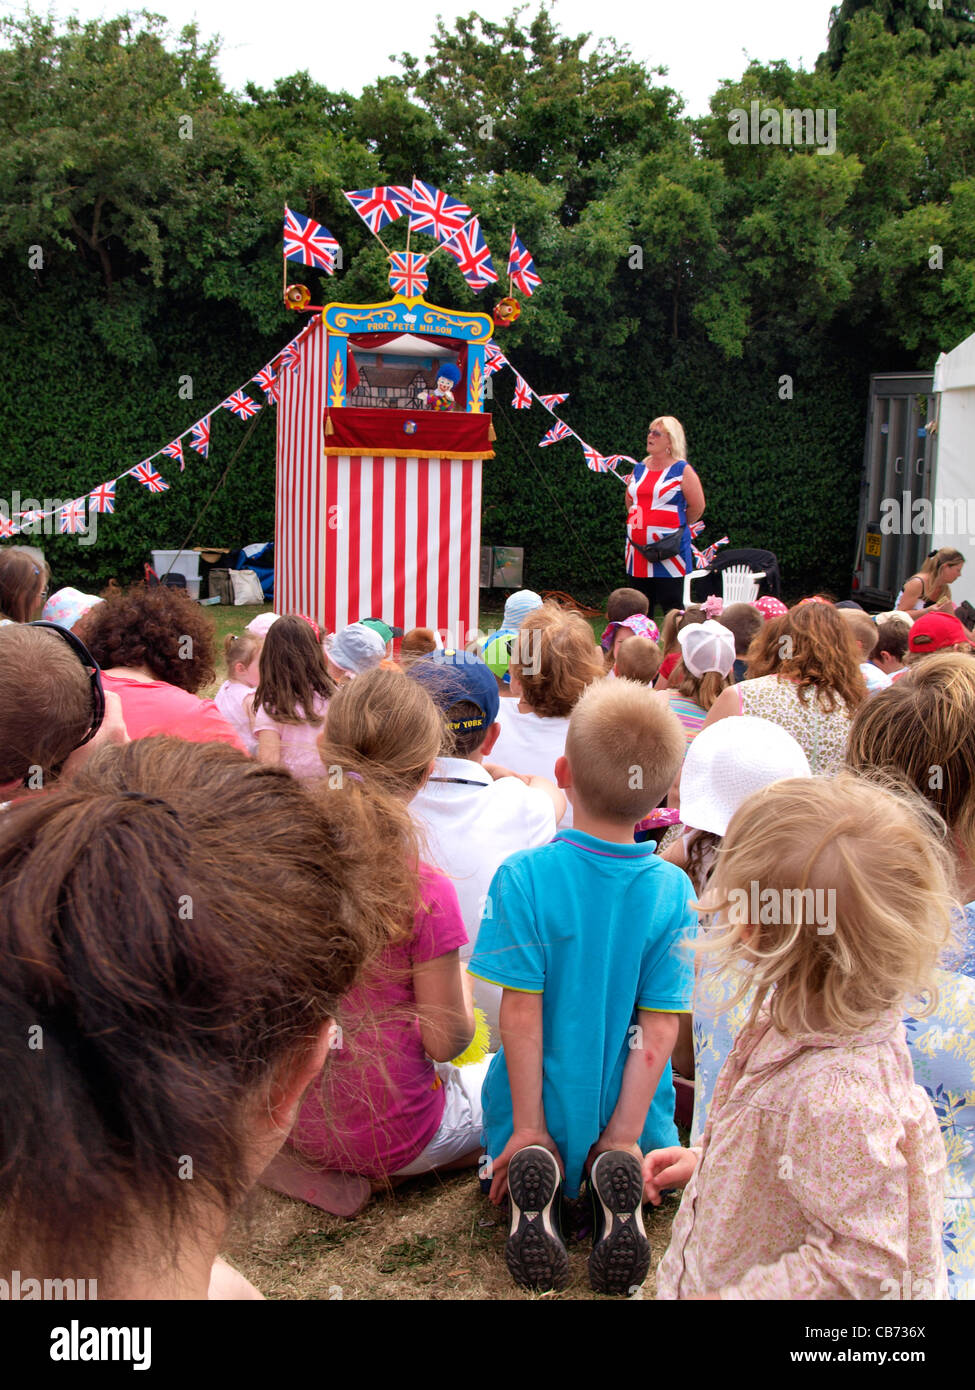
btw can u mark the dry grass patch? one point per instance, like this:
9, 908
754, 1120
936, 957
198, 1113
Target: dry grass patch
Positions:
434, 1237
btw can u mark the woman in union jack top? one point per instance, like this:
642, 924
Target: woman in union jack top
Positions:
665, 497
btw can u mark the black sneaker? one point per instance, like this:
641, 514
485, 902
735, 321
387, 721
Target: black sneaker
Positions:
534, 1251
620, 1259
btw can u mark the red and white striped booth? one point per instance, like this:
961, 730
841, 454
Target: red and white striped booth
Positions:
378, 499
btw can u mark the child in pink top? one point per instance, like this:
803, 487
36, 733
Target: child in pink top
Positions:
291, 698
821, 1170
242, 654
389, 1102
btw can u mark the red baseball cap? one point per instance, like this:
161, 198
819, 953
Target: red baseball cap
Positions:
935, 631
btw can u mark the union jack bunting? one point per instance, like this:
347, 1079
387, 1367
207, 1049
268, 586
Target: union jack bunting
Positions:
470, 251
558, 431
521, 267
102, 499
704, 559
240, 405
200, 440
8, 528
308, 242
175, 451
523, 395
290, 358
550, 402
32, 517
71, 517
406, 273
145, 474
494, 360
434, 212
377, 206
595, 461
267, 381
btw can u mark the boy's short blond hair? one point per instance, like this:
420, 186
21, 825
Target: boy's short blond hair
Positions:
638, 659
864, 630
624, 748
555, 657
834, 901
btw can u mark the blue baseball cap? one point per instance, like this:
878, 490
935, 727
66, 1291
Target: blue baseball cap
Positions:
452, 676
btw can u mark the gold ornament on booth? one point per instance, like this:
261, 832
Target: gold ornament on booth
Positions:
506, 311
297, 296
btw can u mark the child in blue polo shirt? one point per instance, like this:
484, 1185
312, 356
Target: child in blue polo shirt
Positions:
587, 938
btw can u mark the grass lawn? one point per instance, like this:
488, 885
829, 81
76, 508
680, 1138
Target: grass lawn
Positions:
434, 1237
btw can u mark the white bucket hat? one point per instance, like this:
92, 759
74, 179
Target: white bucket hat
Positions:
356, 648
707, 646
728, 762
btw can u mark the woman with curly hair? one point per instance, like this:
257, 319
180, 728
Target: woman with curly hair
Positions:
156, 650
804, 674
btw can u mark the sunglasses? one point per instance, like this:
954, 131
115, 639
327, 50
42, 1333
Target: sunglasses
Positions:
654, 434
94, 675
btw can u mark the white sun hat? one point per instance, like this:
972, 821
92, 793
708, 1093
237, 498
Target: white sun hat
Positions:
355, 648
728, 762
707, 646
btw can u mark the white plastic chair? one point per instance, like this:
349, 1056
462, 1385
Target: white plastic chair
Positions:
739, 584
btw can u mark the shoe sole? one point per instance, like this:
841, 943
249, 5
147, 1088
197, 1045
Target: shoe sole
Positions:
534, 1250
620, 1261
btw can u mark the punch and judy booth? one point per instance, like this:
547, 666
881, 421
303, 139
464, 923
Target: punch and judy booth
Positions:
380, 440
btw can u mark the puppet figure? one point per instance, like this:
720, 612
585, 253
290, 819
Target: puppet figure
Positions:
442, 398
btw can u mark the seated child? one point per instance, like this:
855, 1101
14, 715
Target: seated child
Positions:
389, 1103
892, 639
553, 658
585, 938
821, 1171
626, 603
291, 697
674, 622
744, 620
615, 634
637, 659
865, 635
418, 642
242, 655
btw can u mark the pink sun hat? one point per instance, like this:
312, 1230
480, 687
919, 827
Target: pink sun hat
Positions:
638, 623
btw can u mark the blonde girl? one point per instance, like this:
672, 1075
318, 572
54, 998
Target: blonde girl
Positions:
242, 655
929, 588
820, 1173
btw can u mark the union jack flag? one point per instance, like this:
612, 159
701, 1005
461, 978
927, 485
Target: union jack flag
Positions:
558, 431
268, 382
377, 206
201, 436
470, 251
145, 474
308, 242
434, 212
494, 360
102, 498
32, 517
71, 517
595, 461
521, 267
549, 402
704, 559
290, 358
175, 451
406, 273
523, 394
8, 528
241, 405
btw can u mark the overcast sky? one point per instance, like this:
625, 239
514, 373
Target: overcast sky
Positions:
348, 46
